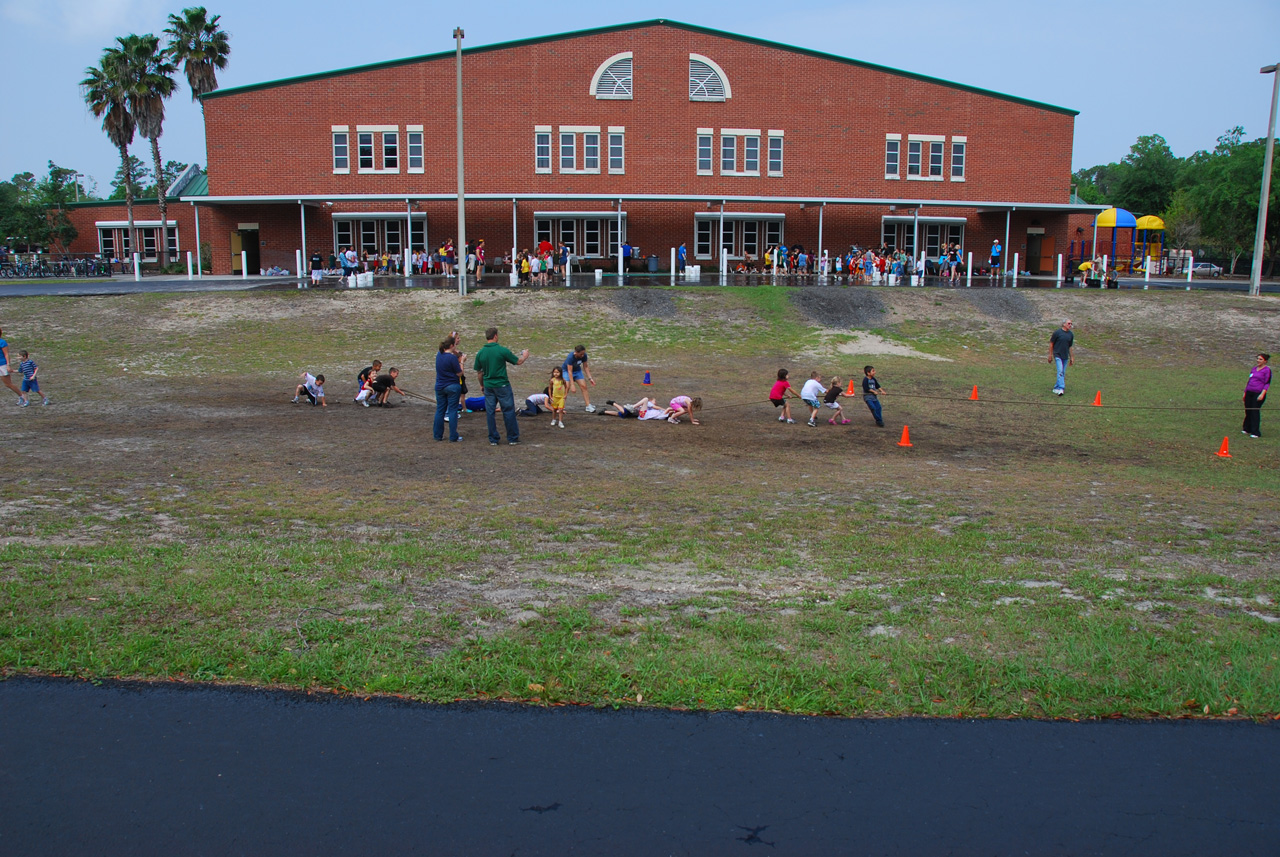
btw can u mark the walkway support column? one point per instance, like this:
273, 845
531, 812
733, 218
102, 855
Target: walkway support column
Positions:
621, 271
302, 210
199, 255
406, 246
462, 195
822, 208
1004, 257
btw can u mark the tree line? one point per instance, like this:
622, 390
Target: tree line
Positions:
1208, 201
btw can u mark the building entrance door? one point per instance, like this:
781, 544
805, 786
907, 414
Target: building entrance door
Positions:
1033, 253
246, 241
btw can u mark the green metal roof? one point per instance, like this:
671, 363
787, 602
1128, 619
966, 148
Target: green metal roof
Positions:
635, 26
198, 186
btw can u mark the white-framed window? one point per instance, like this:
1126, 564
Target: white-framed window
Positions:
341, 150
380, 141
751, 155
925, 156
568, 235
613, 238
107, 243
417, 235
707, 81
958, 146
892, 156
172, 243
612, 79
126, 244
391, 150
590, 135
751, 238
889, 235
772, 233
413, 141
369, 236
728, 237
542, 149
702, 240
705, 140
591, 238
364, 150
342, 234
393, 229
729, 165
775, 153
541, 231
617, 150
728, 154
149, 236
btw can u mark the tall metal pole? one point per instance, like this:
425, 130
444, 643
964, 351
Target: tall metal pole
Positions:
1004, 255
302, 210
1259, 241
462, 197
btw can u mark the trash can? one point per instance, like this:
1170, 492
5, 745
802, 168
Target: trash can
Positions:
653, 264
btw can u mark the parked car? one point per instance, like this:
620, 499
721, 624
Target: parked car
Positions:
1205, 269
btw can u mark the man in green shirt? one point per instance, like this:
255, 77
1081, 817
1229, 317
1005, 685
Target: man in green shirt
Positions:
491, 369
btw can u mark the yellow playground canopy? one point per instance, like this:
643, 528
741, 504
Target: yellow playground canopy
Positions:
1151, 222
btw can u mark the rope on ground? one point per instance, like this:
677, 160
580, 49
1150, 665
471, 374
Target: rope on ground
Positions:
302, 613
1059, 404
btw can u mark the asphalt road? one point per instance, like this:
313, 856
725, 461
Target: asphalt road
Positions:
168, 769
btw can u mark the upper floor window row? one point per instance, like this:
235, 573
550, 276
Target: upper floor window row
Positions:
579, 149
925, 157
376, 149
614, 79
740, 152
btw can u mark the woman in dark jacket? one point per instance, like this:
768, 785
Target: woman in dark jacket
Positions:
448, 389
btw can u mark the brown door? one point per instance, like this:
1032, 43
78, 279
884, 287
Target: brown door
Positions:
237, 244
1048, 258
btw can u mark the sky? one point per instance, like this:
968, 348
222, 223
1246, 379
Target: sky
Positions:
1188, 71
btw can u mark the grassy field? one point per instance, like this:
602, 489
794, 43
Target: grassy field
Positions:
171, 515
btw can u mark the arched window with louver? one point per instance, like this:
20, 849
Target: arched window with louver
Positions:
612, 79
707, 81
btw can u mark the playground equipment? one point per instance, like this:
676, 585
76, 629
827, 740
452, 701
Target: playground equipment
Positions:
1113, 219
1152, 242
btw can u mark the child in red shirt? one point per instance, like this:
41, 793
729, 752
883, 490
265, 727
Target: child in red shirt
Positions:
778, 395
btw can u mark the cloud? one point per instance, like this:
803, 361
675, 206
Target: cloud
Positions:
82, 20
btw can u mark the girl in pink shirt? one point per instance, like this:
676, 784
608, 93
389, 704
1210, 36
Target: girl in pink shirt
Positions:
778, 395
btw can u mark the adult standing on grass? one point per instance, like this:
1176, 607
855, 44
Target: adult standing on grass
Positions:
1254, 393
491, 369
4, 366
1060, 354
577, 372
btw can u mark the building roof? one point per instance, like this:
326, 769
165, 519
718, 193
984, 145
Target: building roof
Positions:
190, 182
662, 22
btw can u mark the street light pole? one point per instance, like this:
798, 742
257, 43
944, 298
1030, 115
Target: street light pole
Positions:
462, 199
1259, 241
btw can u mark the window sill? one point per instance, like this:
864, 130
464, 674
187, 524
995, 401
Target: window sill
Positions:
416, 171
755, 174
775, 174
892, 177
614, 172
542, 170
394, 172
924, 178
343, 172
957, 178
565, 172
706, 172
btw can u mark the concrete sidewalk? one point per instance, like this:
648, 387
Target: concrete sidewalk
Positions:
171, 769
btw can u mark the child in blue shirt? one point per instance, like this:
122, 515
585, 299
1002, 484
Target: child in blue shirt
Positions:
30, 384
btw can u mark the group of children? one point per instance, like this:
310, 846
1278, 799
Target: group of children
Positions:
817, 396
29, 371
372, 387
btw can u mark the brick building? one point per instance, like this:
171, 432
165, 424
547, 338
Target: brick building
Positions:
655, 134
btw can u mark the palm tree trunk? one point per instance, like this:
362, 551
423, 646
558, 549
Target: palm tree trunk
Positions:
128, 197
162, 191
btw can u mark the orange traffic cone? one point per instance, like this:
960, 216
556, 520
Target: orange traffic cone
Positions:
906, 437
850, 391
973, 397
647, 382
1097, 400
1222, 451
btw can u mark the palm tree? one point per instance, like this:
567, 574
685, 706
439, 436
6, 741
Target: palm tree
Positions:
150, 83
196, 41
106, 92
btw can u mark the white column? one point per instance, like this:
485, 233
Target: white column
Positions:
673, 266
303, 214
822, 209
1191, 263
1058, 283
720, 237
1015, 270
297, 255
968, 272
1106, 263
620, 241
515, 234
1004, 255
244, 264
199, 260
137, 268
406, 246
189, 273
462, 194
1146, 274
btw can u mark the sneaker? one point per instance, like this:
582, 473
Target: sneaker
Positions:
456, 439
493, 443
22, 403
364, 402
553, 423
1255, 436
515, 442
295, 400
831, 421
880, 424
844, 422
673, 421
791, 422
813, 424
46, 401
610, 402
782, 419
591, 409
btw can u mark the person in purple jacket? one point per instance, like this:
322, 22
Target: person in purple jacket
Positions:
1254, 392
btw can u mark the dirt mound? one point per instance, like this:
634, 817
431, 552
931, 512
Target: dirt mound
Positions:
645, 303
1003, 304
839, 308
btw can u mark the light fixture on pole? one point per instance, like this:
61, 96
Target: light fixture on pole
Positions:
1259, 240
462, 198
